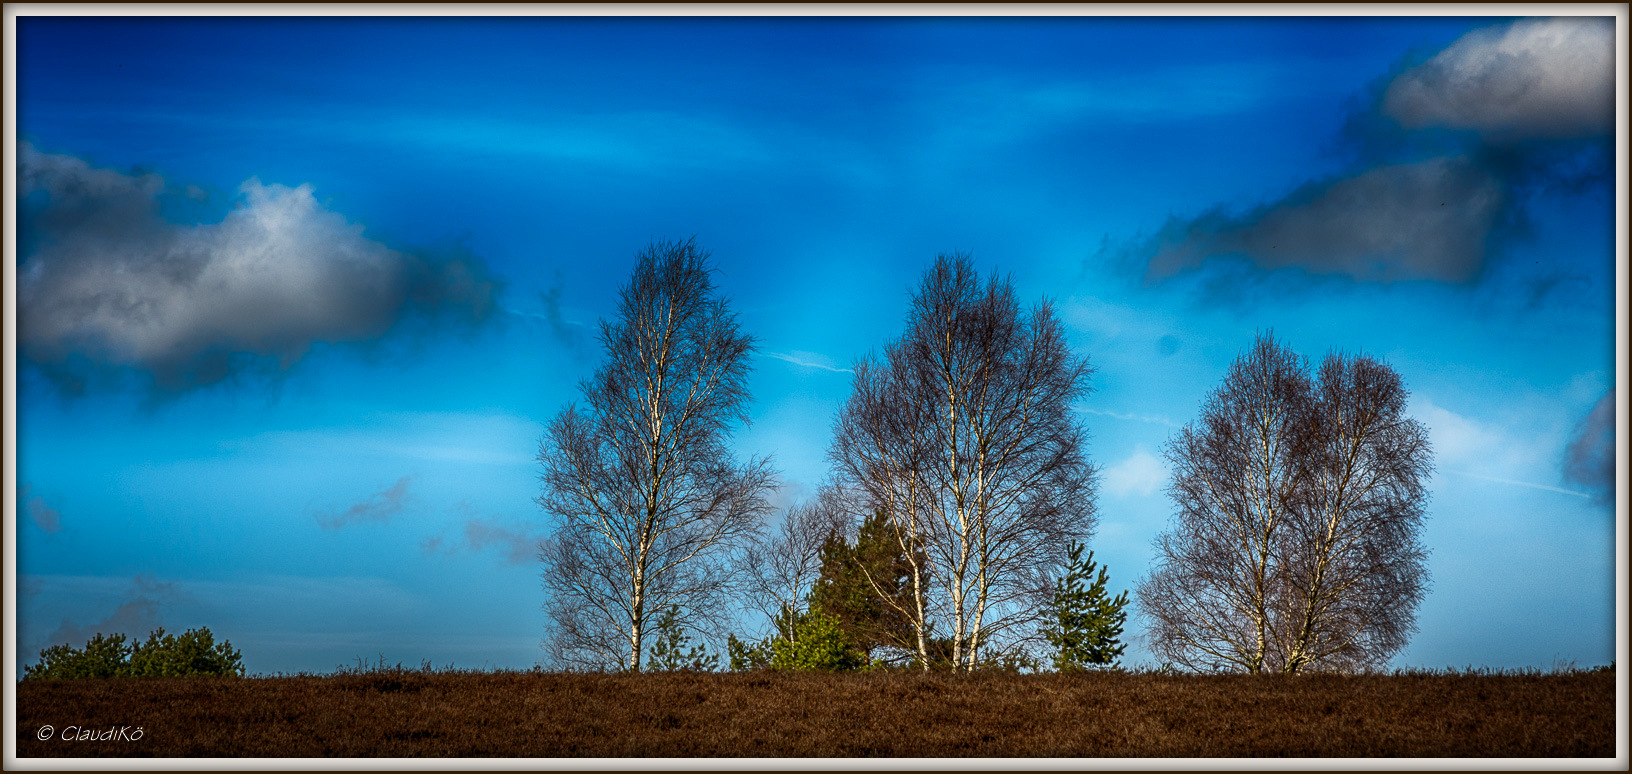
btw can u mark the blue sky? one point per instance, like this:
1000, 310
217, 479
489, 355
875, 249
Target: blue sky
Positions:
296, 296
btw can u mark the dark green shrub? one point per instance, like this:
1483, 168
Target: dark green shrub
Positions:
103, 656
195, 652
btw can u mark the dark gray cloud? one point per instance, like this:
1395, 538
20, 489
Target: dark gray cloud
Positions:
106, 282
378, 508
1590, 458
568, 334
44, 516
1533, 78
1530, 105
1427, 220
135, 617
515, 545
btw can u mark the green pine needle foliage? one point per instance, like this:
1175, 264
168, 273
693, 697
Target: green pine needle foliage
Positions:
867, 586
810, 641
1087, 627
819, 644
672, 652
195, 652
748, 656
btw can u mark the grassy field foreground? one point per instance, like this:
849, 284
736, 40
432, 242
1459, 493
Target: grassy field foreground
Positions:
408, 713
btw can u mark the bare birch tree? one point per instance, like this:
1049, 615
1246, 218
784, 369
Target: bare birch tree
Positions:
878, 450
965, 436
1300, 504
1355, 566
1235, 475
649, 508
783, 566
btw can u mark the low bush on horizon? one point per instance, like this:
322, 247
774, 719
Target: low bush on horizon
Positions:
194, 652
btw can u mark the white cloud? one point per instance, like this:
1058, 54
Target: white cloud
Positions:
1489, 451
1535, 77
1140, 474
1461, 442
109, 280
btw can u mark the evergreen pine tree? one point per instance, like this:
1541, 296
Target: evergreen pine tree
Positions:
670, 653
1088, 622
865, 586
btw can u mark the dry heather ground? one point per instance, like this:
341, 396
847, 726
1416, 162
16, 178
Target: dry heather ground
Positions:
407, 713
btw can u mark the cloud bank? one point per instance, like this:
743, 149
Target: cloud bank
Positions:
1528, 105
107, 282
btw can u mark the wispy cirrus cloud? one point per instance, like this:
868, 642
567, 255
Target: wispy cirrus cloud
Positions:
1515, 482
805, 359
1147, 418
439, 437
